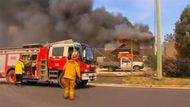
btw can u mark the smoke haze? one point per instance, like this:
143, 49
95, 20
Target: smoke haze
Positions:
40, 21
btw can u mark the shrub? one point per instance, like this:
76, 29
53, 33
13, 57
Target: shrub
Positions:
170, 67
176, 68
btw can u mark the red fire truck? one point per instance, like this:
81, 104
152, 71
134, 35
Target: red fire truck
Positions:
46, 62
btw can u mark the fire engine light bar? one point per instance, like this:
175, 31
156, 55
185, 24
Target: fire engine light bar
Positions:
35, 45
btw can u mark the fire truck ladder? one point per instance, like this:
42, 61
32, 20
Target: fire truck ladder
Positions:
43, 70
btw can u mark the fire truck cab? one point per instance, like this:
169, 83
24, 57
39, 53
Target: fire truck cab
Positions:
45, 62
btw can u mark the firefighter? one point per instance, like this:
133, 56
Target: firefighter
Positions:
19, 70
26, 64
71, 72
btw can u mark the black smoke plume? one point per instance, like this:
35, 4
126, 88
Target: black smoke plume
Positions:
41, 21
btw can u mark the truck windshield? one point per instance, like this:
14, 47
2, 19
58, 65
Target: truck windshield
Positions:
88, 55
125, 60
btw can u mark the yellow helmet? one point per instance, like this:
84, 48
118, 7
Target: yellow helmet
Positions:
74, 55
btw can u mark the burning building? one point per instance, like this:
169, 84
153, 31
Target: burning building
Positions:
123, 47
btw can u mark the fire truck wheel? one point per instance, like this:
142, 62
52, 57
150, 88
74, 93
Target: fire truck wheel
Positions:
61, 80
11, 77
81, 83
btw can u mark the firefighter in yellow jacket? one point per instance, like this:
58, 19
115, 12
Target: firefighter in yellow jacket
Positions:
19, 70
72, 71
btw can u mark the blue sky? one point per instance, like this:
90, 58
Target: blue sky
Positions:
142, 11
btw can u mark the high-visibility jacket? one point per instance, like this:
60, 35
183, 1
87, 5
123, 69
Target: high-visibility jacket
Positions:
71, 70
19, 66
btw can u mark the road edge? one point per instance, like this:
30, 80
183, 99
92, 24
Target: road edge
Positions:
138, 86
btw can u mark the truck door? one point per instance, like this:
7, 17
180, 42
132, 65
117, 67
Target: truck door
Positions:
125, 63
57, 57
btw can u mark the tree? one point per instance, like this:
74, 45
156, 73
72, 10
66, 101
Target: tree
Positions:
182, 37
169, 38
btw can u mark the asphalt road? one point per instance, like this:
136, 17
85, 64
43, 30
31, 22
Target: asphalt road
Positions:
92, 96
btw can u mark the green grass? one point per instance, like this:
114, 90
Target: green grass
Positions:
166, 81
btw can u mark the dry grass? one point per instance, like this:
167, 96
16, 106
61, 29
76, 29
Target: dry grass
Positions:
152, 81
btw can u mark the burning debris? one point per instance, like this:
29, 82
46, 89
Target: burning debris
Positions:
29, 21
